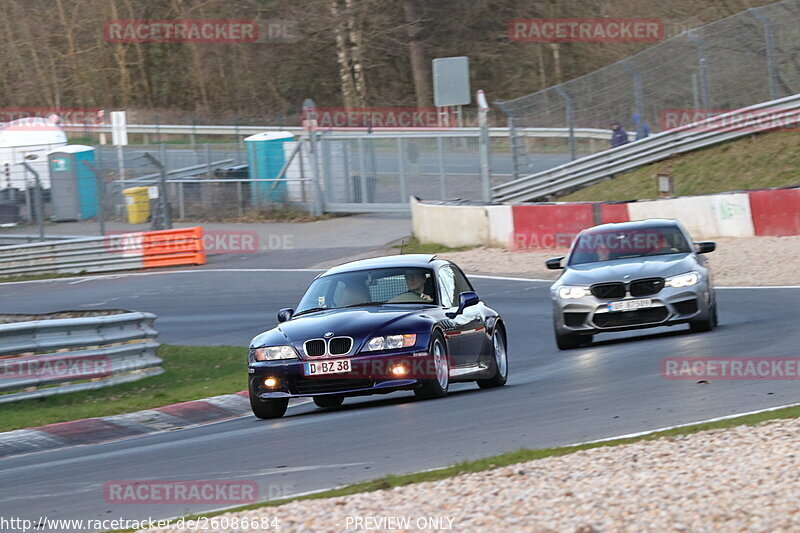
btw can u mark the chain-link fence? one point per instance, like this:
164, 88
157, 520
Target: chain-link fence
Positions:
739, 61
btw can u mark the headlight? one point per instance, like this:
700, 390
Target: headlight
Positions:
390, 342
274, 353
568, 292
683, 280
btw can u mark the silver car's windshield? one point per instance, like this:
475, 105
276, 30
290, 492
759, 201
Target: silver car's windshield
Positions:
594, 246
370, 287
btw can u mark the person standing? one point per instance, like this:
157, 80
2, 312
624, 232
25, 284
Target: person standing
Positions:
618, 135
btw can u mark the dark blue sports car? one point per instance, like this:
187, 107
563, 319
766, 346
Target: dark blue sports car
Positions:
405, 322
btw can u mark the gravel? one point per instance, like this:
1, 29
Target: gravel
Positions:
736, 261
745, 478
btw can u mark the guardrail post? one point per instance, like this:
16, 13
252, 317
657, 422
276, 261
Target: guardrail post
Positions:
769, 44
570, 119
638, 96
512, 139
38, 200
701, 56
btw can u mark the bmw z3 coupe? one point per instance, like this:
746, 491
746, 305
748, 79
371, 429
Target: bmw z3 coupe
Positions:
405, 322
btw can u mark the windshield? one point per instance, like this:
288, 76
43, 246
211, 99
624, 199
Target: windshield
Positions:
370, 287
598, 246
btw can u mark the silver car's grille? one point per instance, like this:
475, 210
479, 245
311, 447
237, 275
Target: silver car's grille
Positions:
646, 287
314, 347
340, 345
607, 291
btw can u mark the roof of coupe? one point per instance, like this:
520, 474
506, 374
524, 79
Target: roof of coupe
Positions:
389, 261
634, 224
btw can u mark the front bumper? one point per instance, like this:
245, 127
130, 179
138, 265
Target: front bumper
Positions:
370, 374
670, 306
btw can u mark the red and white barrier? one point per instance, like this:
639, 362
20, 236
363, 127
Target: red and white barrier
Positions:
765, 212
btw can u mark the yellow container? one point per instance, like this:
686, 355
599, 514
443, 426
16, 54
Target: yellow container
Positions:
137, 204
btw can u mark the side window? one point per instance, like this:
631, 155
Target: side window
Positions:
462, 283
447, 286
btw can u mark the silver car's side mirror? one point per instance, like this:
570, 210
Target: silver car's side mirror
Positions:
554, 263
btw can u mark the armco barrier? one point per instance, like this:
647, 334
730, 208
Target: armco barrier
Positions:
127, 251
53, 356
775, 212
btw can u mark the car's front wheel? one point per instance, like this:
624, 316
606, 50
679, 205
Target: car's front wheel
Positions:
265, 409
567, 341
437, 386
328, 401
500, 362
706, 324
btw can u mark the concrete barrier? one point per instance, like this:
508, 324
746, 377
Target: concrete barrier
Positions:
775, 212
705, 217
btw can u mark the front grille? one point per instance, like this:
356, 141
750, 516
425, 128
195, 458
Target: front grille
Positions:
686, 307
631, 318
574, 320
646, 287
304, 385
608, 290
314, 348
340, 345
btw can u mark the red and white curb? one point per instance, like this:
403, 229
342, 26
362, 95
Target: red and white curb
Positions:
108, 428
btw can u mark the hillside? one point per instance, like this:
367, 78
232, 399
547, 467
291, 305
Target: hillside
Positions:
759, 161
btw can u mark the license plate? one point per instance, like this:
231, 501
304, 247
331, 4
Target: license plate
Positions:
630, 305
335, 366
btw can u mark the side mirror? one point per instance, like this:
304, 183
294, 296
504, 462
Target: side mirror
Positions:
465, 299
554, 263
285, 314
705, 247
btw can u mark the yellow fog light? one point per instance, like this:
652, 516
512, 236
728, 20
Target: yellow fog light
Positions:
399, 370
271, 383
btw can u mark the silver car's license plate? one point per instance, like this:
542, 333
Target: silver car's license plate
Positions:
630, 305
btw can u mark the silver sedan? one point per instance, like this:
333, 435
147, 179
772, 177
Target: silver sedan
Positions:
631, 275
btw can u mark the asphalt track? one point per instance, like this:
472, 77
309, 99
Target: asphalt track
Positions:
552, 398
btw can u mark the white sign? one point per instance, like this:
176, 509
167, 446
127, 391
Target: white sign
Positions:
451, 81
119, 128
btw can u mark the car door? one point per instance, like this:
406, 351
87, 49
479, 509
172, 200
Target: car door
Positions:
466, 332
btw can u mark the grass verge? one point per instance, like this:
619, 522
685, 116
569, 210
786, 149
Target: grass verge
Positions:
505, 459
412, 246
33, 277
758, 161
190, 373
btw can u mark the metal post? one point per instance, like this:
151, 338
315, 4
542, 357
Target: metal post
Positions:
638, 96
695, 92
702, 64
442, 184
362, 180
181, 202
570, 119
239, 199
402, 171
484, 146
207, 153
194, 132
309, 107
770, 47
162, 190
101, 195
37, 195
512, 138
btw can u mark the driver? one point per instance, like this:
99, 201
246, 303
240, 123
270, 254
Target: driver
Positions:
415, 281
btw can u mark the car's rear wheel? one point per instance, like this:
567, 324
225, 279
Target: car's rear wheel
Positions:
500, 361
439, 385
328, 401
265, 409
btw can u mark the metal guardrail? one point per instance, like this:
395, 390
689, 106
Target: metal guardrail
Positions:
183, 129
126, 251
181, 173
594, 168
41, 358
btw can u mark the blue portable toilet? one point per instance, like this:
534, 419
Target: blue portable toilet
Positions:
266, 157
73, 186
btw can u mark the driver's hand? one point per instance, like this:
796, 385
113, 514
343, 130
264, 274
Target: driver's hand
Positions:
426, 297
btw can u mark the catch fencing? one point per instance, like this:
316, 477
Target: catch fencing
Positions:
733, 63
46, 355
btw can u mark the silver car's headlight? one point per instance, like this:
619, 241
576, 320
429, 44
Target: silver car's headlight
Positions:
390, 342
682, 280
568, 292
274, 353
